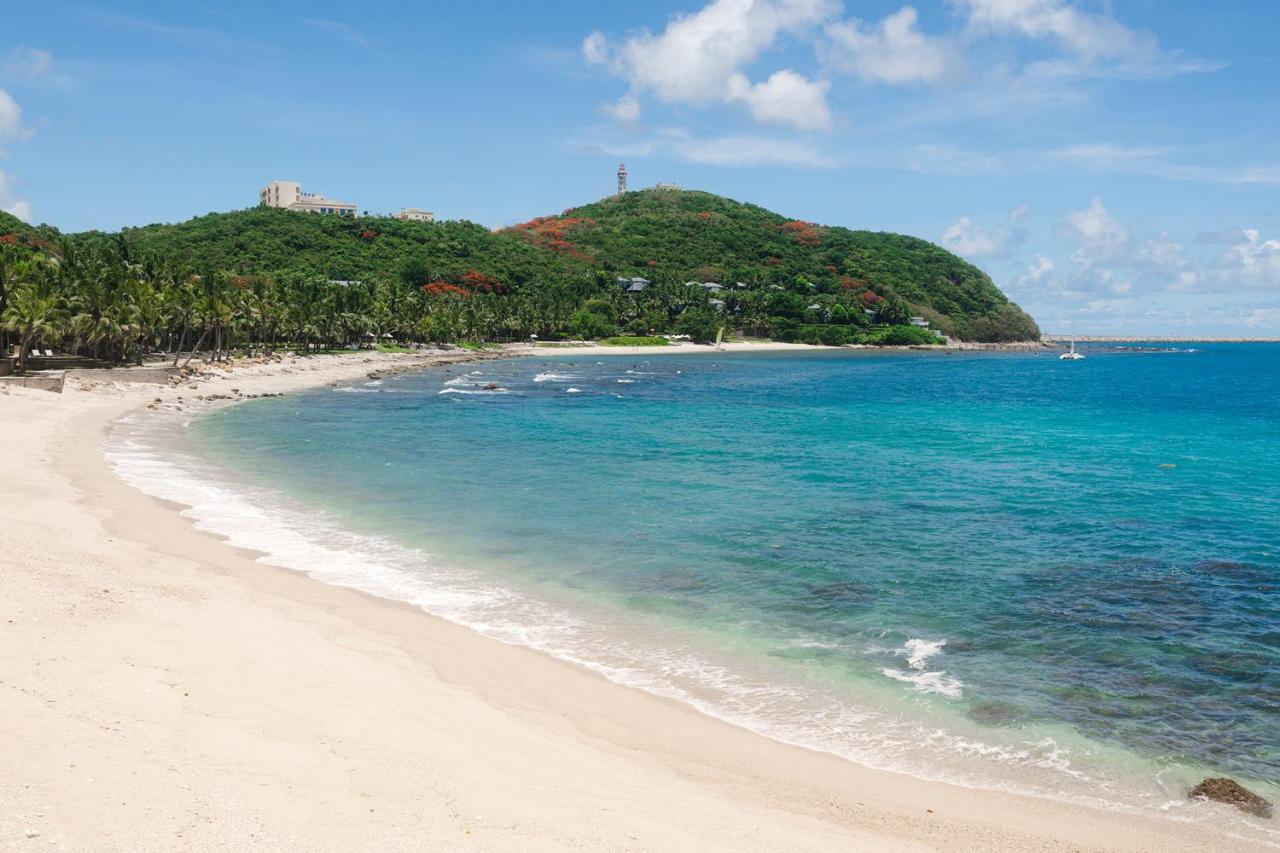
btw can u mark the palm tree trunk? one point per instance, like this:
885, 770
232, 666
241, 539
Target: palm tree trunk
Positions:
194, 349
23, 350
182, 339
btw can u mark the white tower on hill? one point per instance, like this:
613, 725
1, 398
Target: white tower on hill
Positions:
622, 178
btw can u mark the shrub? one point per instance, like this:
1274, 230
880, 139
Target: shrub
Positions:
902, 336
587, 325
635, 341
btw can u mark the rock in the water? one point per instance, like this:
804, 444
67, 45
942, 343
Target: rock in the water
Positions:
994, 714
1224, 790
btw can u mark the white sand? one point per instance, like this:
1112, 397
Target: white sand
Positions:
159, 690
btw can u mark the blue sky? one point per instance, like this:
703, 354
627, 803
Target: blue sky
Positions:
1113, 165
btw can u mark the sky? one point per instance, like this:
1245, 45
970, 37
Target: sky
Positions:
1115, 166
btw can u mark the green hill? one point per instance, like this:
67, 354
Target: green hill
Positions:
787, 279
12, 225
707, 237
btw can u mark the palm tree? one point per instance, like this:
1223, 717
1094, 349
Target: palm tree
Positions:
34, 312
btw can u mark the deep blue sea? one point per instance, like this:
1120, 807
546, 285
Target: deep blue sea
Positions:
1003, 570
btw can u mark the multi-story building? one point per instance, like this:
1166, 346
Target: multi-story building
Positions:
289, 195
412, 214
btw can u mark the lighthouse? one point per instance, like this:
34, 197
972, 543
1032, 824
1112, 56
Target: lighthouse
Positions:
622, 178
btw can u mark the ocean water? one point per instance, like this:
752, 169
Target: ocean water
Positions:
1001, 570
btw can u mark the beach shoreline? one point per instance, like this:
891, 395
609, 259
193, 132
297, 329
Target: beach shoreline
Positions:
166, 690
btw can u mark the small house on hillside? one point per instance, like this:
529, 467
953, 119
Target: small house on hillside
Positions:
632, 285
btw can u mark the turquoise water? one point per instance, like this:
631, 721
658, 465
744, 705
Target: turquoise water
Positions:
1000, 569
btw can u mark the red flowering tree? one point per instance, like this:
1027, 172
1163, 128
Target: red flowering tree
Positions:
552, 232
443, 288
804, 233
478, 282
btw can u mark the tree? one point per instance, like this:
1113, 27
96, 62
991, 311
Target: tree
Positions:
894, 311
415, 271
587, 324
34, 313
700, 324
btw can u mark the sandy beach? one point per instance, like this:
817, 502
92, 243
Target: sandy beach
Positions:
160, 690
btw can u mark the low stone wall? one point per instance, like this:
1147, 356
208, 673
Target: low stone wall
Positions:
148, 375
52, 380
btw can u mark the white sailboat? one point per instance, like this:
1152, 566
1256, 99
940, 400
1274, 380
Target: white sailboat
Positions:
1072, 355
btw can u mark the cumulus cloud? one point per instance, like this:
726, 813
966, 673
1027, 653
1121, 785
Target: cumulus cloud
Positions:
1115, 274
893, 51
968, 238
1109, 258
20, 208
1098, 236
785, 98
700, 58
11, 126
1039, 271
1250, 261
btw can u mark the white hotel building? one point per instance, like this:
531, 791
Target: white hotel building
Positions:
413, 214
289, 195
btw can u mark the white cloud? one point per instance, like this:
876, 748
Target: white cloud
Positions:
595, 48
1038, 271
700, 57
966, 237
785, 98
893, 51
969, 239
11, 126
626, 110
1250, 262
20, 208
1167, 260
28, 62
1087, 34
1098, 237
1108, 258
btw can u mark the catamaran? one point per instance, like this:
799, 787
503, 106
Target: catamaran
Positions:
1072, 355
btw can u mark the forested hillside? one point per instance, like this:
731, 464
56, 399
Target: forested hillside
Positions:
266, 277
